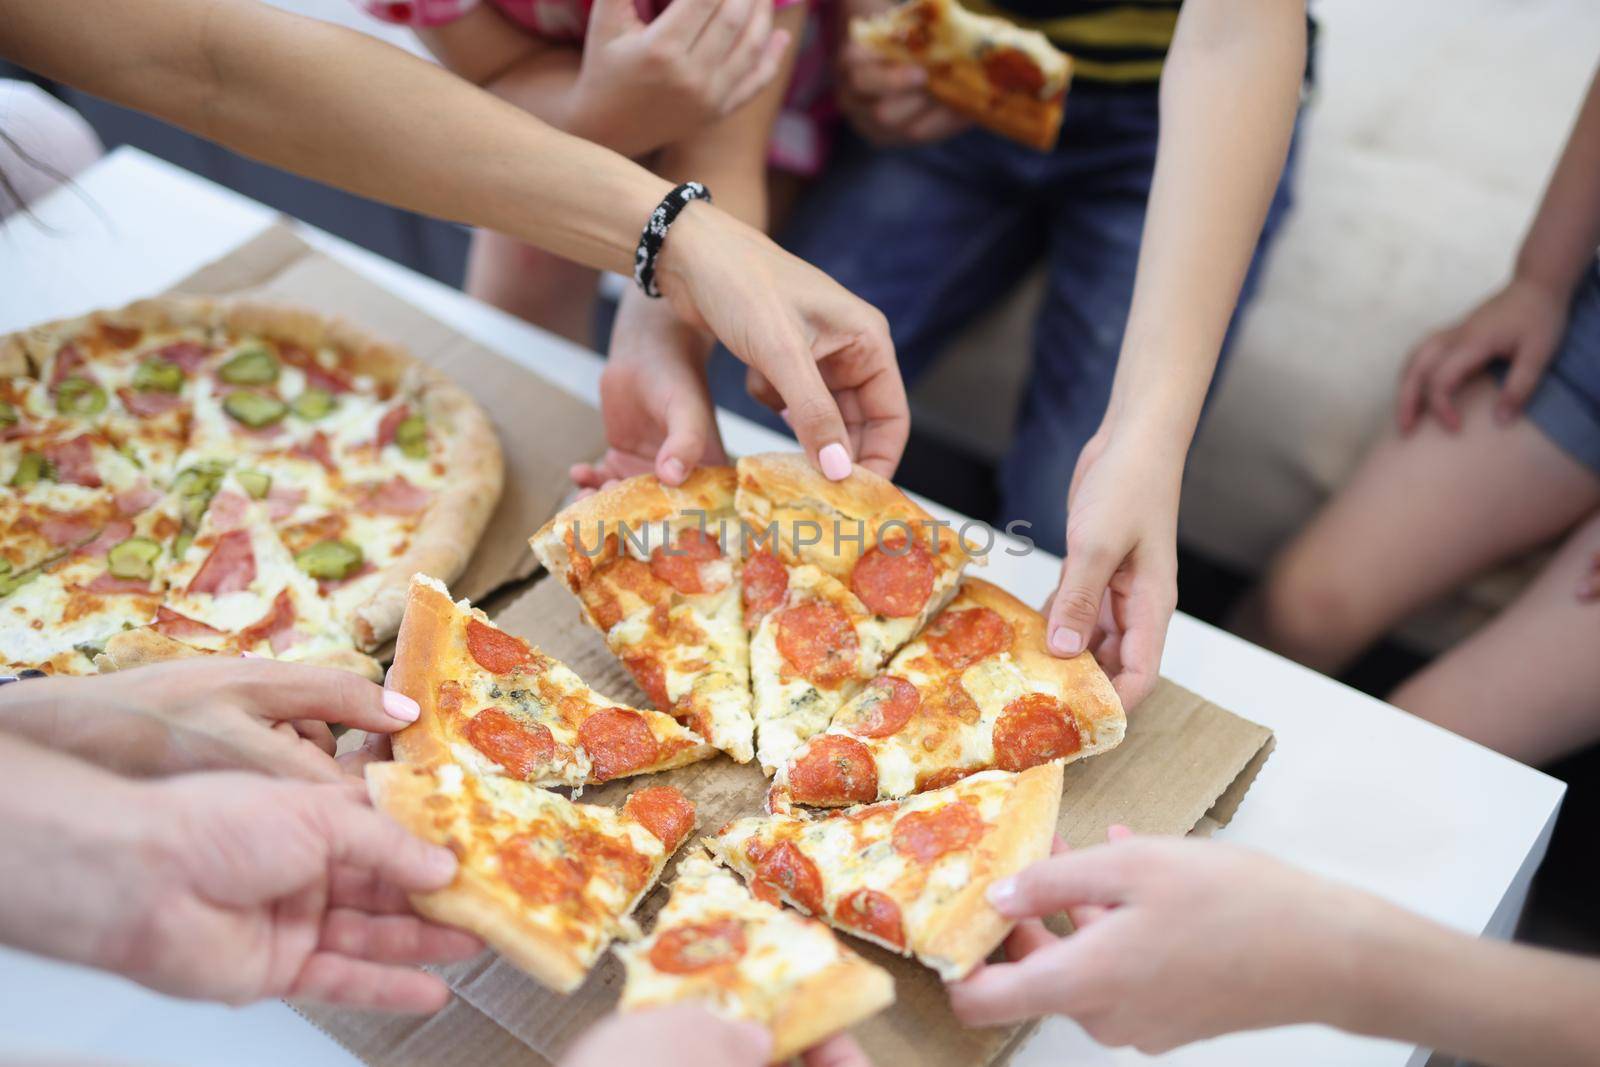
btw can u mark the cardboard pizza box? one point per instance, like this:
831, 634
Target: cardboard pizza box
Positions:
1183, 768
543, 430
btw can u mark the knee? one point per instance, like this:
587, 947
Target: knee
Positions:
1310, 612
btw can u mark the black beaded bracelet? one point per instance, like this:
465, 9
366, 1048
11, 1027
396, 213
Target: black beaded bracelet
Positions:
655, 233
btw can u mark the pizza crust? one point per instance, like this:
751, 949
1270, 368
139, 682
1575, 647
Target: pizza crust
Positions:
145, 646
827, 1003
966, 929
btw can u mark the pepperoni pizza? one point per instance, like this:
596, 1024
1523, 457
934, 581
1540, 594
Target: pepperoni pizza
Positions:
231, 477
839, 575
909, 875
1002, 76
547, 882
746, 959
498, 706
656, 569
976, 690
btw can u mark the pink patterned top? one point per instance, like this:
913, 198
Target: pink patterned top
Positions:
800, 136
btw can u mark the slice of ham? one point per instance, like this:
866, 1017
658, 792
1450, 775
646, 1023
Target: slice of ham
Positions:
317, 450
396, 496
113, 534
189, 355
278, 620
227, 510
66, 530
391, 422
110, 583
69, 363
179, 627
229, 568
74, 461
132, 501
284, 640
282, 500
148, 404
316, 374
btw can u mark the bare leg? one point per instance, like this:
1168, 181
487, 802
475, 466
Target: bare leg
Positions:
532, 284
1421, 515
1527, 683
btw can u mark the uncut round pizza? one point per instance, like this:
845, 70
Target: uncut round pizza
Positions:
186, 475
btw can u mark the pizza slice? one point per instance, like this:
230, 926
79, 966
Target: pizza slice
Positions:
838, 575
909, 875
498, 706
1010, 79
656, 569
976, 690
545, 881
715, 944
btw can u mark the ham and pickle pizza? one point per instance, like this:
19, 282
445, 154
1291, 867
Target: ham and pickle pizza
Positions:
656, 570
1009, 79
227, 476
839, 575
495, 705
746, 959
546, 881
909, 875
976, 690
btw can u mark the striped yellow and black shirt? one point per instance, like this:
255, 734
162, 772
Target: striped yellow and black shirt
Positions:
1122, 41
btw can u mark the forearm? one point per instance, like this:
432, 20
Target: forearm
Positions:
72, 839
1484, 1000
343, 108
1565, 232
72, 716
1228, 100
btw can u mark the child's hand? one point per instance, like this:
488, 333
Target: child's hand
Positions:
1521, 323
642, 85
888, 102
653, 398
1589, 586
1176, 940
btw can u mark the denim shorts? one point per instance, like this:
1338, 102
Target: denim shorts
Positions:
1566, 405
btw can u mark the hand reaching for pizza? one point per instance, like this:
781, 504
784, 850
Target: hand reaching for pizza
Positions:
653, 397
1119, 582
1176, 940
690, 1036
815, 351
206, 713
888, 102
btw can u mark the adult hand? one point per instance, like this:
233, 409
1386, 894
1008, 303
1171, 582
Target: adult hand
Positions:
1176, 940
815, 351
653, 397
643, 85
208, 713
684, 1035
241, 888
1521, 323
1119, 581
888, 102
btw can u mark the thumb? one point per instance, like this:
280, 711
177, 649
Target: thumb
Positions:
690, 427
1075, 610
1064, 881
1527, 367
609, 19
813, 415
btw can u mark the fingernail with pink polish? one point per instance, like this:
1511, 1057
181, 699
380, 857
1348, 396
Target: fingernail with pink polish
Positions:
399, 706
1065, 642
835, 462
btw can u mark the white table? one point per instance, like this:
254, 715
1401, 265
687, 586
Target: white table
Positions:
1356, 789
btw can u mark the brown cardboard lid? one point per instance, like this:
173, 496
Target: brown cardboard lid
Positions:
543, 429
1185, 764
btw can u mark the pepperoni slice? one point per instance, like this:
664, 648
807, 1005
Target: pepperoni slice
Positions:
538, 878
927, 835
887, 704
895, 578
647, 673
74, 461
1033, 729
664, 811
834, 769
1011, 70
940, 779
870, 912
495, 650
695, 947
961, 638
764, 583
785, 869
618, 741
679, 567
817, 640
230, 567
523, 749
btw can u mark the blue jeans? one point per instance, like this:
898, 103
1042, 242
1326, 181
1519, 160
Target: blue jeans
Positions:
933, 235
1566, 404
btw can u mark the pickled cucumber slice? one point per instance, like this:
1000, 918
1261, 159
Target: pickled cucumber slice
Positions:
134, 558
255, 410
157, 375
255, 483
251, 366
313, 404
8, 414
330, 560
10, 583
80, 396
31, 468
411, 436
